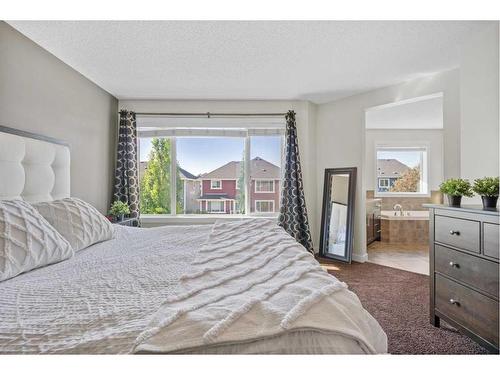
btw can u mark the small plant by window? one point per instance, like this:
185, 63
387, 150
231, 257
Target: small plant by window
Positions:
119, 208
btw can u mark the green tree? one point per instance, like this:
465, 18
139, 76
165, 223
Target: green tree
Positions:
155, 185
408, 182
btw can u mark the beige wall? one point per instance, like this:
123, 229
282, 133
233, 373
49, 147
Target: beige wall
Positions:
340, 136
479, 77
41, 94
305, 117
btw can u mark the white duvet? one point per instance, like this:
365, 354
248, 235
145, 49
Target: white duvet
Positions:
126, 295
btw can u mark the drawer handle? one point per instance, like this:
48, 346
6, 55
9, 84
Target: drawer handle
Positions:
455, 232
454, 302
453, 264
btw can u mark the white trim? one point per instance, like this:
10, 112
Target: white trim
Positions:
209, 206
380, 179
360, 258
193, 219
212, 184
424, 147
147, 130
264, 201
173, 176
266, 180
246, 175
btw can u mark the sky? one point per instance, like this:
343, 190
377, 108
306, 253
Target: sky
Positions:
202, 155
410, 158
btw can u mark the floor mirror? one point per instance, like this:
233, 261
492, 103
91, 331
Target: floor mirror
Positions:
337, 220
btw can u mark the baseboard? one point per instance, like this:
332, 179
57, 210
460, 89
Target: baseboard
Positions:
360, 258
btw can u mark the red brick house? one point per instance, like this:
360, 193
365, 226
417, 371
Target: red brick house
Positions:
219, 188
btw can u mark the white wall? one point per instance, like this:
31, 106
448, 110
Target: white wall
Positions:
479, 77
434, 138
305, 117
340, 136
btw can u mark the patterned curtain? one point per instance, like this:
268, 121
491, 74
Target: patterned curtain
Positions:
126, 188
293, 212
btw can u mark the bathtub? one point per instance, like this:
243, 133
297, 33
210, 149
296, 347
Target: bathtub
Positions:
410, 228
407, 215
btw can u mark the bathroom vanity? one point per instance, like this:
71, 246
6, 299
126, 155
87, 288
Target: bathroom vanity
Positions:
373, 222
464, 261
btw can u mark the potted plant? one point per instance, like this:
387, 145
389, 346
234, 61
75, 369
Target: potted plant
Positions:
119, 209
455, 189
487, 188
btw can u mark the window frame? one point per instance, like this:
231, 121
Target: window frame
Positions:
387, 179
246, 134
425, 150
212, 184
263, 180
264, 201
221, 202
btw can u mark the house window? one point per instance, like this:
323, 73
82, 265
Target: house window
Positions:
401, 171
215, 206
215, 170
264, 206
216, 184
383, 183
264, 186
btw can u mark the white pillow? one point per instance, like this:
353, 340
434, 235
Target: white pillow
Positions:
78, 222
27, 240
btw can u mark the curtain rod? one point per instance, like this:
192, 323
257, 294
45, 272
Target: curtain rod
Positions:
208, 114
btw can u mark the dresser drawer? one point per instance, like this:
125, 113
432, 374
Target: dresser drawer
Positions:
471, 309
490, 239
456, 232
477, 272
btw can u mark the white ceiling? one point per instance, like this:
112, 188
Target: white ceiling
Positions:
314, 60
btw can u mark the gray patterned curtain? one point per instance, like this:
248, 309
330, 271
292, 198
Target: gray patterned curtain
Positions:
293, 212
126, 188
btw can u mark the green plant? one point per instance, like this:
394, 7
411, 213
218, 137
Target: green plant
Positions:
486, 187
119, 208
456, 187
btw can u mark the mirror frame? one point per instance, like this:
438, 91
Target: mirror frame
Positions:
325, 214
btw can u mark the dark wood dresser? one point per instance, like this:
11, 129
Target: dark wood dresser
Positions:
464, 268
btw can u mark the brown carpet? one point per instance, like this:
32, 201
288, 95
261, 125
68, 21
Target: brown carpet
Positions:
399, 300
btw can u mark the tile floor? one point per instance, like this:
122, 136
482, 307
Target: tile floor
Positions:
408, 257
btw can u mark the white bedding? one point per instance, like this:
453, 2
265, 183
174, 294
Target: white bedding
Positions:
100, 300
107, 298
252, 281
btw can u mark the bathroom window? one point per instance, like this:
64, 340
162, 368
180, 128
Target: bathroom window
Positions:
401, 171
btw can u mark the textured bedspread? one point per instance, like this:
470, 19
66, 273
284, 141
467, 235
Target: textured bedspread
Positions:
249, 289
251, 281
100, 300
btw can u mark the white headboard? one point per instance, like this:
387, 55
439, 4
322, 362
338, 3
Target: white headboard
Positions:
33, 167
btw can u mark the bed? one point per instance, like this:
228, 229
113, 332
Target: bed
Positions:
238, 287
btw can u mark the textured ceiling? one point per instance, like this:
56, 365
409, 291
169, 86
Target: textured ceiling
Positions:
317, 61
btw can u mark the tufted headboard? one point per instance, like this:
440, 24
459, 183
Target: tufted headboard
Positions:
33, 167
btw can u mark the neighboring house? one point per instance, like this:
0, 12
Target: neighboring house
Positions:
191, 190
219, 188
388, 171
217, 191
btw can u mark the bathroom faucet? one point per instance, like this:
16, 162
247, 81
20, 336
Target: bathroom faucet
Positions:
399, 208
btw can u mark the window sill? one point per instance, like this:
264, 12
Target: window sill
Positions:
402, 195
156, 220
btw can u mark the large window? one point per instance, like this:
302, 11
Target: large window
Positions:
210, 171
264, 186
401, 171
264, 206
